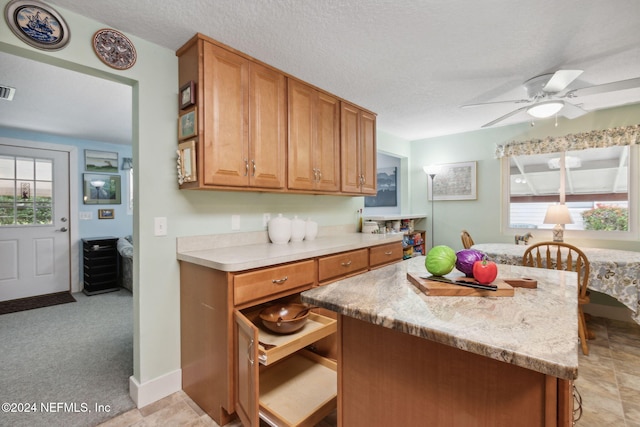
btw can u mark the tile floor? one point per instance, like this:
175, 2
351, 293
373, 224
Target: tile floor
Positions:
609, 383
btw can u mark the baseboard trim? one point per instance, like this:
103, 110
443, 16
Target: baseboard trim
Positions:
622, 314
156, 389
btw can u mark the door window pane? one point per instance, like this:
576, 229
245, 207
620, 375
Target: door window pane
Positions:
23, 199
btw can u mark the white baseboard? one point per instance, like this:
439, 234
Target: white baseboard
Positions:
622, 314
156, 389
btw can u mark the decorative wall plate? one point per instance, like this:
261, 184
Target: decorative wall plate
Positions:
37, 24
114, 49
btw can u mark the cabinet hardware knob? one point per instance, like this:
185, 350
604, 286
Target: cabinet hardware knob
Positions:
346, 264
280, 281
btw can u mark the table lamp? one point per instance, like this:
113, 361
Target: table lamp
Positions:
558, 215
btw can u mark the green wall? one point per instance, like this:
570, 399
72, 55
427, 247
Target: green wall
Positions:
154, 79
482, 217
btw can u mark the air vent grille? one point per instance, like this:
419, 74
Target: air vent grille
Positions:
7, 92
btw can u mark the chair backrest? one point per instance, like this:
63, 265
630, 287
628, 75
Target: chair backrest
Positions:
559, 256
467, 241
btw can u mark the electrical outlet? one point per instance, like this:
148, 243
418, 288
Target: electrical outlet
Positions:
160, 226
235, 222
266, 217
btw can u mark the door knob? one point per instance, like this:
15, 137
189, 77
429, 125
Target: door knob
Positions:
63, 229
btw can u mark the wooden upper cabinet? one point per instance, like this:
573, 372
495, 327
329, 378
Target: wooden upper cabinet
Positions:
244, 113
225, 112
358, 150
314, 139
268, 127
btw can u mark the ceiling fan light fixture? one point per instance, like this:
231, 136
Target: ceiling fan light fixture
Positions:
542, 110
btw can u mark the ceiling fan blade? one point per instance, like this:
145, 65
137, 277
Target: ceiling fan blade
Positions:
506, 116
511, 101
560, 80
572, 111
603, 88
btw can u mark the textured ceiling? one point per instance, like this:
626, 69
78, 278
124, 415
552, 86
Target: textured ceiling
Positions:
414, 62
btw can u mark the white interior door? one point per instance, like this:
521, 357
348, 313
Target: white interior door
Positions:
34, 222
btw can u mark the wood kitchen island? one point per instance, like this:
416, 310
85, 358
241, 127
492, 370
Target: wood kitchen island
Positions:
408, 359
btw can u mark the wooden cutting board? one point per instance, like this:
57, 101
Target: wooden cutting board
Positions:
433, 288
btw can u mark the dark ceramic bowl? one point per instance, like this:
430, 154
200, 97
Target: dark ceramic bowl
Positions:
284, 318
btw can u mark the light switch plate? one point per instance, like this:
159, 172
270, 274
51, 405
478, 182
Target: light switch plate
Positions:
235, 222
160, 226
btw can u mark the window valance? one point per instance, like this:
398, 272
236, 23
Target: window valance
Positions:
627, 135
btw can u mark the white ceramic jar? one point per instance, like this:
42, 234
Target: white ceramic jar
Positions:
298, 229
279, 229
311, 229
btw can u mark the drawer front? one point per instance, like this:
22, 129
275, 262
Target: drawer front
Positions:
272, 281
343, 264
385, 254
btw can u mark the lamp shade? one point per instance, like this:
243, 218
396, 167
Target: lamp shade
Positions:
558, 214
542, 110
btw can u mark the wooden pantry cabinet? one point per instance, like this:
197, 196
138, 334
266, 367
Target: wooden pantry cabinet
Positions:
314, 139
232, 365
260, 129
358, 150
241, 111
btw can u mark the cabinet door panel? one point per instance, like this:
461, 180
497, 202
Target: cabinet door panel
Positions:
350, 148
225, 113
247, 393
301, 136
368, 152
268, 121
327, 150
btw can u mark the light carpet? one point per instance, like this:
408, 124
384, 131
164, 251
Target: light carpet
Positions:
67, 365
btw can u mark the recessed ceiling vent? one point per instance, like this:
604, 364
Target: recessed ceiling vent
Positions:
7, 92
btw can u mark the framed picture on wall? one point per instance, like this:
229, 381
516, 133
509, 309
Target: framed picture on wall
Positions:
101, 189
453, 181
187, 95
106, 213
100, 161
187, 124
387, 194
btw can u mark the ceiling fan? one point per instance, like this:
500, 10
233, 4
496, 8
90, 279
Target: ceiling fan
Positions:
545, 97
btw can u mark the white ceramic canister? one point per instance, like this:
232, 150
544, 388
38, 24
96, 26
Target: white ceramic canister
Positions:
298, 229
311, 229
279, 229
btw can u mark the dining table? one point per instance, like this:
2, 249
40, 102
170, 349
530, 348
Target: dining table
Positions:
613, 272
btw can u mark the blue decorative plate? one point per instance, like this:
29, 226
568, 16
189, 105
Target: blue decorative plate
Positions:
37, 24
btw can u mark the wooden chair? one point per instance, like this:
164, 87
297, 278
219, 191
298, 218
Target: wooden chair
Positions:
467, 241
563, 256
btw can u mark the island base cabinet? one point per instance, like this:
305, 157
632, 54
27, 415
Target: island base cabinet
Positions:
387, 377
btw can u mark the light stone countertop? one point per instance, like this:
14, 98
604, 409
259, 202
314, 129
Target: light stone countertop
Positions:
535, 329
261, 254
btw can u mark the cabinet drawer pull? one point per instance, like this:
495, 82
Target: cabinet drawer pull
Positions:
388, 253
246, 167
280, 281
253, 164
250, 353
346, 264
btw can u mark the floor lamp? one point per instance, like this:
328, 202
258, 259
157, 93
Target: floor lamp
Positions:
431, 171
